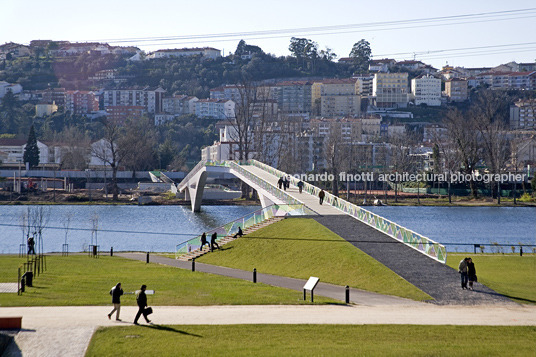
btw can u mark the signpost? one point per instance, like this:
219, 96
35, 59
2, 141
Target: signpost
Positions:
310, 285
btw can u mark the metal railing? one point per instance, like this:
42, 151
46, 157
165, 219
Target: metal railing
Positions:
265, 185
200, 165
415, 240
244, 222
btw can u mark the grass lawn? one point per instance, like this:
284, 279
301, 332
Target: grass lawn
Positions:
508, 274
80, 280
313, 340
300, 248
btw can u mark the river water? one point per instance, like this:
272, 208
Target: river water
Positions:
161, 228
461, 227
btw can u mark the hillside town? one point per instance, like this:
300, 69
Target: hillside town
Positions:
373, 114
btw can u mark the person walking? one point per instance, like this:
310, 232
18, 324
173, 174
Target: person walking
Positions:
321, 196
300, 186
116, 293
204, 241
287, 181
284, 180
213, 243
471, 273
462, 269
141, 300
31, 246
280, 182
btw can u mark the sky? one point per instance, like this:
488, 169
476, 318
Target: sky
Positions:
109, 21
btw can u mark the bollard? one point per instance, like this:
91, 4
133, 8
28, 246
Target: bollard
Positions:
347, 300
254, 275
22, 284
193, 264
520, 251
147, 257
111, 251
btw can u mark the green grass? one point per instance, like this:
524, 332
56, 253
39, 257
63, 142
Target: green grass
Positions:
80, 280
313, 340
507, 274
300, 248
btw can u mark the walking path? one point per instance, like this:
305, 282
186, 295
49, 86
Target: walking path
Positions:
66, 330
357, 296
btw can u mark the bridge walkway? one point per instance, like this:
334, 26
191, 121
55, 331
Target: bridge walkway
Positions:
436, 279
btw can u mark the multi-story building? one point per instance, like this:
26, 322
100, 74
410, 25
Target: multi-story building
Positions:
426, 90
381, 65
206, 52
149, 98
119, 114
335, 97
179, 104
363, 84
508, 80
347, 129
294, 96
215, 109
54, 95
523, 114
81, 102
390, 90
229, 92
456, 90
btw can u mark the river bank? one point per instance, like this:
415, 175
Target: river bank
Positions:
82, 197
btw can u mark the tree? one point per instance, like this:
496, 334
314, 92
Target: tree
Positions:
462, 132
140, 139
327, 54
74, 152
361, 54
31, 151
304, 50
110, 152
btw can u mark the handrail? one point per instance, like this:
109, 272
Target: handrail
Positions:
200, 165
271, 189
415, 240
244, 222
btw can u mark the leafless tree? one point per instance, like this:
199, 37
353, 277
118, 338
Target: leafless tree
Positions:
449, 161
400, 154
463, 134
110, 152
489, 111
74, 152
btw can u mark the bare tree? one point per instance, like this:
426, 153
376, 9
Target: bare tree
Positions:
401, 158
74, 153
463, 134
139, 140
489, 111
110, 152
449, 161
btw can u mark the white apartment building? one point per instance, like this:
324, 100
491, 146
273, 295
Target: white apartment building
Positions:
390, 90
523, 114
179, 104
456, 90
150, 99
206, 52
215, 109
426, 90
336, 97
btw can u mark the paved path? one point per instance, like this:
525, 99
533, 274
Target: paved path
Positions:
66, 331
357, 296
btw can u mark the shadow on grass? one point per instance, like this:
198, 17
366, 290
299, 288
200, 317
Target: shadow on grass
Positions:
171, 329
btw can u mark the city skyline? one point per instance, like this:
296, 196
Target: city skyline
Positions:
476, 34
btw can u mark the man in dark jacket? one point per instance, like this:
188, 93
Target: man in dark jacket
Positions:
141, 299
116, 293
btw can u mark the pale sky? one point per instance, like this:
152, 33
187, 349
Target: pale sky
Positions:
77, 21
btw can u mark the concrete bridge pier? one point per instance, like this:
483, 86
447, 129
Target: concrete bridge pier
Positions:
194, 190
265, 201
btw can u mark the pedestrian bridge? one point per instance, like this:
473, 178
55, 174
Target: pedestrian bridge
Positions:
263, 179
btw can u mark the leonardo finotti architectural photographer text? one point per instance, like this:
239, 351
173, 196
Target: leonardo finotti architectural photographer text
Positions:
455, 177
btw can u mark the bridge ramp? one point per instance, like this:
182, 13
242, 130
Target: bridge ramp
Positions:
312, 202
